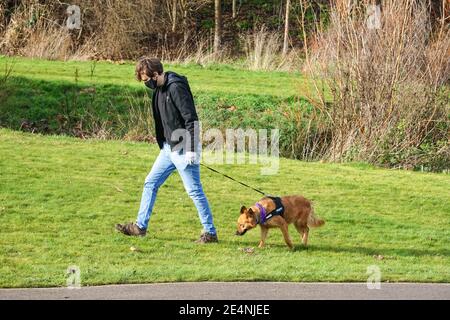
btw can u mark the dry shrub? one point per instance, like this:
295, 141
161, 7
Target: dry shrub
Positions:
129, 29
97, 129
25, 21
85, 51
117, 29
13, 33
49, 42
291, 60
262, 49
2, 17
110, 29
389, 99
32, 31
201, 54
118, 25
198, 50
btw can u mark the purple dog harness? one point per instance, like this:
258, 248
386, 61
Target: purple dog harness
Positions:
279, 210
263, 213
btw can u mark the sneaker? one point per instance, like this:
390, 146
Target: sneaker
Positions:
131, 229
206, 237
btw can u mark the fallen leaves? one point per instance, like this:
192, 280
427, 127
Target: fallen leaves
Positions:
89, 90
248, 250
118, 189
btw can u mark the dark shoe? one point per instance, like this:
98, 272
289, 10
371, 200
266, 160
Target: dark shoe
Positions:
207, 238
131, 229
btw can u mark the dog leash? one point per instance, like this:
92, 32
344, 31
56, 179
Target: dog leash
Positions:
227, 176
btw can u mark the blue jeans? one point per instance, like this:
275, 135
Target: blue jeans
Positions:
166, 162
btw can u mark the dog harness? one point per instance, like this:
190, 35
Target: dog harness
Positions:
278, 211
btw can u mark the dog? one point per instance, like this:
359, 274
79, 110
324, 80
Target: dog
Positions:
297, 210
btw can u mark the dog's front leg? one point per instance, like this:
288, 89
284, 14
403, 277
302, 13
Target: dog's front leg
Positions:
264, 231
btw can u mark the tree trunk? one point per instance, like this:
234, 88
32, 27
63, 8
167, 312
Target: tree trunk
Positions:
218, 26
185, 29
174, 15
184, 7
286, 28
234, 9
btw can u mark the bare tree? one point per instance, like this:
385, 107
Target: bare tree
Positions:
234, 9
187, 8
174, 15
218, 25
386, 75
171, 8
286, 27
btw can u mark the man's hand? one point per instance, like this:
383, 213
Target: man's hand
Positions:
191, 157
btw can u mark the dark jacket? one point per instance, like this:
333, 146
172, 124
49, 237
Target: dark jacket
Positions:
176, 111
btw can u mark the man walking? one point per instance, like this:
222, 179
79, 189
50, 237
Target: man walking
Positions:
177, 134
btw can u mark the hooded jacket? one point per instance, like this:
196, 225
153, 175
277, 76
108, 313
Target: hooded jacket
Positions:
176, 120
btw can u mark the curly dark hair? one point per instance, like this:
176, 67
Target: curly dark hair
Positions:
148, 66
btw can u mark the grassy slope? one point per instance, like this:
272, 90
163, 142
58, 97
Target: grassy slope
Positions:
212, 79
40, 89
60, 198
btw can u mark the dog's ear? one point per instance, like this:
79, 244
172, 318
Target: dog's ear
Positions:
251, 214
243, 208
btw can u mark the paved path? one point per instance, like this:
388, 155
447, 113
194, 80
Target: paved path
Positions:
239, 290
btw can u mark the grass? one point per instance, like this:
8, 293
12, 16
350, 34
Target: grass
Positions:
209, 79
60, 198
99, 95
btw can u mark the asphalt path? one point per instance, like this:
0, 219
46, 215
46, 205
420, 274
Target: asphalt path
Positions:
238, 291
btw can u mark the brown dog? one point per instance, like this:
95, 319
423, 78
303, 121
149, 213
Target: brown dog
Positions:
297, 210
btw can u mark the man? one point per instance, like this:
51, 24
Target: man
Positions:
176, 126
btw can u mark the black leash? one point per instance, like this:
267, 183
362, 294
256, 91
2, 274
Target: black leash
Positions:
227, 176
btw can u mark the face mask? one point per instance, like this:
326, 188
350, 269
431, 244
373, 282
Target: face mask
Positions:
152, 84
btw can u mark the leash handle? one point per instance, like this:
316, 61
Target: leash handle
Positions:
227, 176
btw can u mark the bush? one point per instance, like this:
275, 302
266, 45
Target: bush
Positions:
388, 84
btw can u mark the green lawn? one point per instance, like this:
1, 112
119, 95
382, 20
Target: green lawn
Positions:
210, 79
60, 198
106, 95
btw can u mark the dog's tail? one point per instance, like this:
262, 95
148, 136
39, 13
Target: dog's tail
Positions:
313, 220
